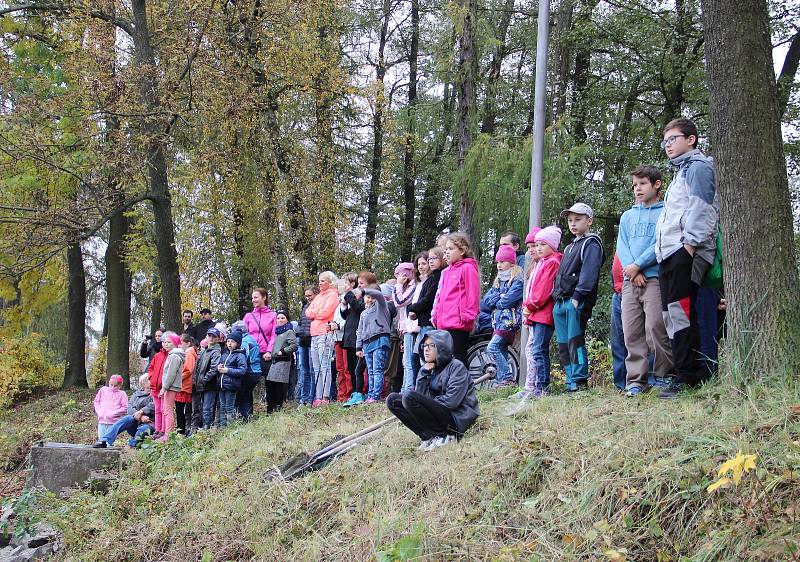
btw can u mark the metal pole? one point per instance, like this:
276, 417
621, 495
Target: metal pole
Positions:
537, 156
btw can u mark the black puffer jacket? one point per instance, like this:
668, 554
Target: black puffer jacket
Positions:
449, 383
424, 305
304, 327
351, 316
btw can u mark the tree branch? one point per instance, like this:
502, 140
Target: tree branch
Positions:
121, 23
788, 72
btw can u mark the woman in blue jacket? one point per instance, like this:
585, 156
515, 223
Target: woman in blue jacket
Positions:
232, 367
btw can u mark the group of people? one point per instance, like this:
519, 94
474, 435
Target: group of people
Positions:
405, 341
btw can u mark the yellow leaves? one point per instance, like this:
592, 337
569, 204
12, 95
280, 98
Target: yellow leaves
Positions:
616, 554
730, 473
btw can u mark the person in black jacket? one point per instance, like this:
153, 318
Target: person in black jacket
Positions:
306, 379
422, 305
444, 403
150, 347
351, 310
199, 330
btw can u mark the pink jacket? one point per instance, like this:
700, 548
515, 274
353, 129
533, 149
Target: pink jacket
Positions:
458, 300
540, 290
110, 404
260, 323
321, 310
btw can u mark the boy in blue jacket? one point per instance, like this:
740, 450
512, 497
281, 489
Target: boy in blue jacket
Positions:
232, 367
642, 321
575, 294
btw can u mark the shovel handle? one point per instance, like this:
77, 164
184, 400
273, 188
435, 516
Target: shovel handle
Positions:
349, 438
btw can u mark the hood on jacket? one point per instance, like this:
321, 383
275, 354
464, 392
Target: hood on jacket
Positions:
177, 351
686, 157
444, 346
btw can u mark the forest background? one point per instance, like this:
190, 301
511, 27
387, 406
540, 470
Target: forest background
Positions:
156, 156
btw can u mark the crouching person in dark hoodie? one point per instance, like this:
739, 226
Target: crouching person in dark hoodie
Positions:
444, 403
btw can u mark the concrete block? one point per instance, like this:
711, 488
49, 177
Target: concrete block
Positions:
56, 466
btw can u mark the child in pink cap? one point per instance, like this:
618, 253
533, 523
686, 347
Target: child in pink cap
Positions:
503, 301
110, 404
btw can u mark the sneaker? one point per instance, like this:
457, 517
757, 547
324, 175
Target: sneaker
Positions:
355, 399
634, 391
672, 391
316, 403
578, 386
371, 401
324, 402
425, 445
441, 441
100, 445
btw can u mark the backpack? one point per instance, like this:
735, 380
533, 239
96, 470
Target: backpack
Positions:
713, 278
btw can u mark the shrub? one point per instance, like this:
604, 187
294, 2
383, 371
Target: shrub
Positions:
97, 372
26, 368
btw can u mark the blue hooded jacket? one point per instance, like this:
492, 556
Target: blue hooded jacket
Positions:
236, 362
636, 242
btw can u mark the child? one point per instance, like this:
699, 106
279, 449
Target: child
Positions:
155, 370
531, 256
372, 340
344, 377
642, 321
575, 293
232, 367
503, 301
538, 312
618, 351
110, 405
284, 346
183, 400
402, 295
204, 379
138, 421
171, 381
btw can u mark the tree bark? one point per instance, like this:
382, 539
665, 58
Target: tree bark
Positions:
489, 122
467, 75
155, 307
562, 51
788, 72
761, 277
156, 168
409, 164
118, 300
75, 372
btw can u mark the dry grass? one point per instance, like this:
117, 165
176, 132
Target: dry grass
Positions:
586, 477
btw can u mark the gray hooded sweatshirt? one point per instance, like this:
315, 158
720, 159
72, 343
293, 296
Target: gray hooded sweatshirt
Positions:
691, 210
449, 383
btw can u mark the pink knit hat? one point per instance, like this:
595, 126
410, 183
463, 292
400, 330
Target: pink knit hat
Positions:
550, 235
406, 268
506, 253
531, 237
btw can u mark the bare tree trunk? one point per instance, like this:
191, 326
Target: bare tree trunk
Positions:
761, 278
75, 372
562, 55
118, 300
489, 122
156, 167
409, 165
155, 307
467, 76
788, 72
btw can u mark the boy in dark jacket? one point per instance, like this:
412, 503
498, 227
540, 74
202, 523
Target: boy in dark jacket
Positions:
204, 381
232, 368
139, 420
575, 294
444, 404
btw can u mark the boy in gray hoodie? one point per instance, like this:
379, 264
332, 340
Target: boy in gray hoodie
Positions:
685, 248
372, 340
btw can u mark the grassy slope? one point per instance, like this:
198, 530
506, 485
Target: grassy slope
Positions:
573, 478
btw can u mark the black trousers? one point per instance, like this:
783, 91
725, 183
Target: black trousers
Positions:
276, 394
422, 415
265, 365
678, 306
244, 396
460, 345
197, 411
183, 414
358, 373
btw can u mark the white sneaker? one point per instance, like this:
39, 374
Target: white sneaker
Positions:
442, 441
426, 445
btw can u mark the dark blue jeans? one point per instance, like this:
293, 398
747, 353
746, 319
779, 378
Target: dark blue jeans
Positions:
244, 397
227, 407
137, 431
618, 350
209, 401
537, 353
306, 375
376, 363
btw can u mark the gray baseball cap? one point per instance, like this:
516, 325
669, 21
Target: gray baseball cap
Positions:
579, 209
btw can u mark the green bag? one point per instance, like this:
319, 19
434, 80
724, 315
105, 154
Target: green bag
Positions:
713, 277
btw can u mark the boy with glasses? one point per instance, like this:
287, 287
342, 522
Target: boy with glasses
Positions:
685, 248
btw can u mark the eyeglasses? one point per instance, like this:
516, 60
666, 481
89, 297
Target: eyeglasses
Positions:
428, 346
670, 141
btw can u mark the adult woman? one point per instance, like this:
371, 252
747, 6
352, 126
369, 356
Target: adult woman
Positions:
344, 367
458, 300
278, 376
429, 265
320, 312
402, 295
261, 325
444, 404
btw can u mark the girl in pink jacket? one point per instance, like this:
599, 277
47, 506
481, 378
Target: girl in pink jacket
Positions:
537, 308
458, 300
110, 404
320, 312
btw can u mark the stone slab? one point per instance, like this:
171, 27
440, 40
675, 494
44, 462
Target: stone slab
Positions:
56, 466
